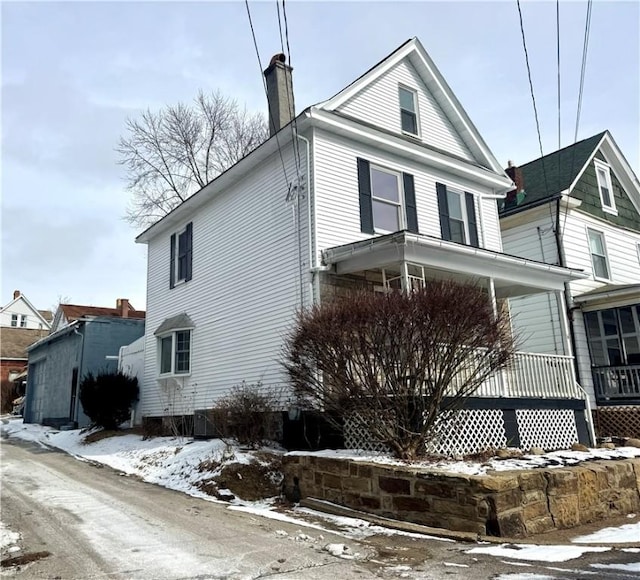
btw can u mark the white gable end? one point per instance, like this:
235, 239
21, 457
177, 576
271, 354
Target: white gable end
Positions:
378, 103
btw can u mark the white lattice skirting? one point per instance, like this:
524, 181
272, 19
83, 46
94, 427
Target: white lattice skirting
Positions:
474, 430
547, 428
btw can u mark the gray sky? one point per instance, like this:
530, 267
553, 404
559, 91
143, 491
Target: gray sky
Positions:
73, 72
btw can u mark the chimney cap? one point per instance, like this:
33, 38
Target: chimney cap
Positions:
510, 163
279, 57
16, 294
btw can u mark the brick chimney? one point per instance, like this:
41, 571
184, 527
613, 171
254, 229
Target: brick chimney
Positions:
515, 173
122, 304
279, 93
16, 294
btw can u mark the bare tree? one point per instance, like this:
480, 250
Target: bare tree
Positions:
172, 153
401, 363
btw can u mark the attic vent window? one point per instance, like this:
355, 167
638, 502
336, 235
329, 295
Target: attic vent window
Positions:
408, 111
603, 175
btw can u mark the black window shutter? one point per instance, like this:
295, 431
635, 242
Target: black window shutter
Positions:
471, 219
443, 209
172, 262
364, 188
189, 232
410, 202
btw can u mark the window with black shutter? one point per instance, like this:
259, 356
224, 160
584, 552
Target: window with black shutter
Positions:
457, 215
387, 199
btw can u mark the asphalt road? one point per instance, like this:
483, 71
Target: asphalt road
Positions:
82, 521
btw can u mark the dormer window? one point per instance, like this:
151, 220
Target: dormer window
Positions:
603, 176
408, 111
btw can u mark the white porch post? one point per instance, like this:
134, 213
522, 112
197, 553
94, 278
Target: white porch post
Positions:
564, 323
502, 379
568, 350
404, 277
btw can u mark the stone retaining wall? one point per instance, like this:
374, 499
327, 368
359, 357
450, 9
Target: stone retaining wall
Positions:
511, 504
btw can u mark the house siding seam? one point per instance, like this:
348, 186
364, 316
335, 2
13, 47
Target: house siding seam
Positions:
245, 252
378, 103
337, 197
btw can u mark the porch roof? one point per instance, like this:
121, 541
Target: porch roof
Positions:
512, 276
609, 295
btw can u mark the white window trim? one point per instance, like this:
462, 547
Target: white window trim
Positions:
398, 175
176, 265
465, 212
607, 170
15, 318
172, 333
606, 254
416, 110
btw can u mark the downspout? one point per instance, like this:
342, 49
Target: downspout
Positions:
314, 267
572, 333
311, 236
81, 335
567, 289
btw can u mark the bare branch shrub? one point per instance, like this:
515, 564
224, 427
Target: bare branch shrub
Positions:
399, 362
249, 414
172, 153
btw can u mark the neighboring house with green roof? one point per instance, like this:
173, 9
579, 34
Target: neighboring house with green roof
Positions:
580, 208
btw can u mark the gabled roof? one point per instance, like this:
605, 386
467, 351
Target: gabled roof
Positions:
555, 172
74, 312
441, 91
46, 322
14, 341
438, 87
549, 176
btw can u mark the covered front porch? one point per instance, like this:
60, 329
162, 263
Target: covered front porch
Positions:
406, 261
611, 317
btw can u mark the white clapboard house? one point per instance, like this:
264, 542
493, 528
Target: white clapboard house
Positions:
580, 208
387, 184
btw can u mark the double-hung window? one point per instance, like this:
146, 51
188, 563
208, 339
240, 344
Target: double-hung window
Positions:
603, 176
387, 200
181, 256
457, 215
175, 353
19, 320
598, 254
408, 110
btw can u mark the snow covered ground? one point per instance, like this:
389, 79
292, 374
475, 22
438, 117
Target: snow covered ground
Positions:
177, 463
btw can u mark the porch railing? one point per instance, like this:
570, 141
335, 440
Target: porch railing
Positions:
532, 375
620, 383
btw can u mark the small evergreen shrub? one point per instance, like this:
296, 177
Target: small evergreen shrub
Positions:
107, 398
249, 414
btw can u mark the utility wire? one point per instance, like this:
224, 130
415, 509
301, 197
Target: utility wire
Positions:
558, 62
294, 124
533, 98
585, 46
264, 84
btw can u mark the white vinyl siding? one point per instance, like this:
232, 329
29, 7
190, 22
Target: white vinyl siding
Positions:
529, 313
243, 298
534, 319
378, 104
22, 312
621, 251
337, 200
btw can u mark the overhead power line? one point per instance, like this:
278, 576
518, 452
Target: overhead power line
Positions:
264, 84
585, 46
533, 97
558, 63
